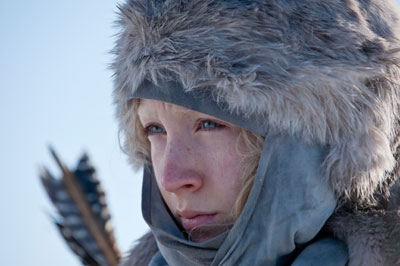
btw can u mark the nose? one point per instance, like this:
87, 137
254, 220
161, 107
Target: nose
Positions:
180, 168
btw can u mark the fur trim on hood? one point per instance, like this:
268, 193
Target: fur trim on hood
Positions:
327, 71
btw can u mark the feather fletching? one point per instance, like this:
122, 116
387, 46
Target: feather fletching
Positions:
85, 222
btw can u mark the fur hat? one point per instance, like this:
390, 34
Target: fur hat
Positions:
326, 70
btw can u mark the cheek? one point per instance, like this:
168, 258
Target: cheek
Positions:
224, 169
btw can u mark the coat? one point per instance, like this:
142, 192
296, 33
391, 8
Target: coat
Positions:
325, 71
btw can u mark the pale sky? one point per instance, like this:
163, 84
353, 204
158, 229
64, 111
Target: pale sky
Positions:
56, 89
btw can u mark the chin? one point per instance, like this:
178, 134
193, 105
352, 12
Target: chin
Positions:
204, 233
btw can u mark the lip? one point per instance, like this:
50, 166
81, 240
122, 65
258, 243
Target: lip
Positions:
193, 219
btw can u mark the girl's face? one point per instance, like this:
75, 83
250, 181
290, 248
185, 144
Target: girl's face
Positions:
196, 164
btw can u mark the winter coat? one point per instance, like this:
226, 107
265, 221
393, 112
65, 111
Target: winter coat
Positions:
326, 72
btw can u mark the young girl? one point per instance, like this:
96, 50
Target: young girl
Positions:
268, 130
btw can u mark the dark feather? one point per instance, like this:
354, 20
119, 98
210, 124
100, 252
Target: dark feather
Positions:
85, 222
76, 246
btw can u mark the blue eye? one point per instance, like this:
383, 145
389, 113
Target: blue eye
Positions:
154, 129
208, 124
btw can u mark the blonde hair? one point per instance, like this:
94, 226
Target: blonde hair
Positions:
137, 147
251, 156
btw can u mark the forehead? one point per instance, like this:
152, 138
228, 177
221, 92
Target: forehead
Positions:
152, 107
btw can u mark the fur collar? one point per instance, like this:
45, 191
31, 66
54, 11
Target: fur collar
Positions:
142, 252
372, 234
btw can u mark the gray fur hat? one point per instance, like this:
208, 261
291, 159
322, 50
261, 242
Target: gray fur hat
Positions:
324, 70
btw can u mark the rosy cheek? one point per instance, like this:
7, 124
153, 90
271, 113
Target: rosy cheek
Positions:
227, 161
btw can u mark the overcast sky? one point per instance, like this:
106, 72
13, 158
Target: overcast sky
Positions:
56, 89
